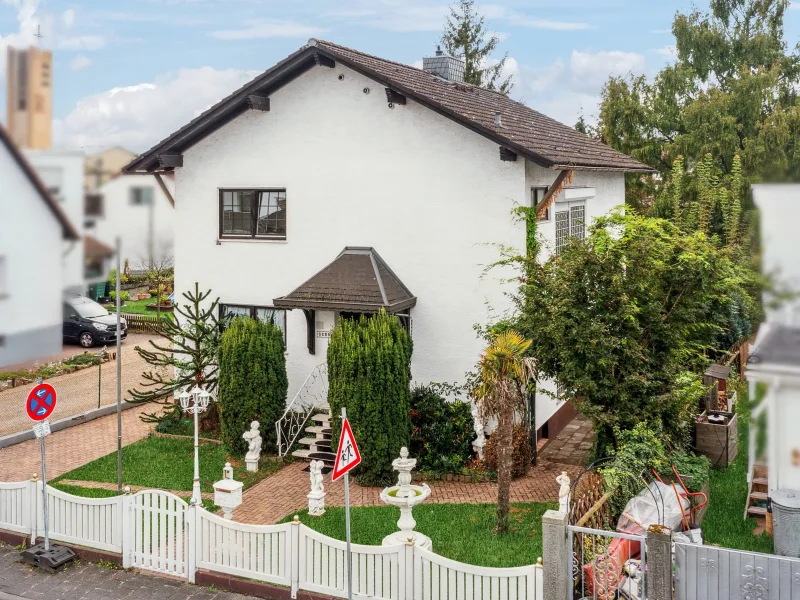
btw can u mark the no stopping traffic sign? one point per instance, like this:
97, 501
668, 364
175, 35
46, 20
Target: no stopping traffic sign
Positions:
41, 402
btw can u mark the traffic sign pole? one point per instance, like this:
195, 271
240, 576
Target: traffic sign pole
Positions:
44, 488
346, 522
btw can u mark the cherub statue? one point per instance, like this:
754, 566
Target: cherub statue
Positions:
315, 471
563, 492
254, 441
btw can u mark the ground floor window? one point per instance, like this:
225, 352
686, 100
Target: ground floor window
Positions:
262, 313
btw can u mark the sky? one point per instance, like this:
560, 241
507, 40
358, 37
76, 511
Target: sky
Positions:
130, 72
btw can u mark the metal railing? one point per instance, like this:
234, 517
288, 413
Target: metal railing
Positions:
312, 394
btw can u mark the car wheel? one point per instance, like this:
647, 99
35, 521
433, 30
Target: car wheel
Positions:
86, 339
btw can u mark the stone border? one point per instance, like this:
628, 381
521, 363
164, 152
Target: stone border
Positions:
67, 370
67, 422
458, 478
175, 436
259, 589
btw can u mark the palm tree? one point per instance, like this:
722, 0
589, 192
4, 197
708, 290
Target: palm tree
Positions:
503, 375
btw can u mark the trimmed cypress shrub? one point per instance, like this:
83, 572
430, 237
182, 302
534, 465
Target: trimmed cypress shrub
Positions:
252, 381
369, 373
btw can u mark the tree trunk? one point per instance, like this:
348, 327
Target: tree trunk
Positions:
505, 433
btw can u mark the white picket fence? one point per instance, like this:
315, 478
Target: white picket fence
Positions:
157, 531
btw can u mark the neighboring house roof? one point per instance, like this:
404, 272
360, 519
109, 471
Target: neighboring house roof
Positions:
523, 130
69, 231
358, 280
779, 347
94, 248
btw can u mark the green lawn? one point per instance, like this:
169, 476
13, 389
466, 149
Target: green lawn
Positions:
138, 307
462, 532
168, 463
724, 524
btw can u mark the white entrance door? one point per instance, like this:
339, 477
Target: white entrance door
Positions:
160, 533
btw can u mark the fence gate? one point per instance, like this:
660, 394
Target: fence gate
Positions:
605, 565
709, 573
160, 533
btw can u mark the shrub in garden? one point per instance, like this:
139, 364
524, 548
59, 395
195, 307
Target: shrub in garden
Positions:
441, 431
123, 294
369, 373
521, 456
252, 381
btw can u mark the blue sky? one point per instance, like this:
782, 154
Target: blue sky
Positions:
129, 72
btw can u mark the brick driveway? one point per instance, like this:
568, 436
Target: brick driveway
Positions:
285, 492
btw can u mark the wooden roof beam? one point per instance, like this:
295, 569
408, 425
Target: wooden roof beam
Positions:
564, 178
258, 102
323, 61
170, 161
507, 154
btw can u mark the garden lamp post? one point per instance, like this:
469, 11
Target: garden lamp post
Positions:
195, 401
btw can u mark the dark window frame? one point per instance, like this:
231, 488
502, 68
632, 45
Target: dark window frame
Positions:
253, 235
536, 198
253, 309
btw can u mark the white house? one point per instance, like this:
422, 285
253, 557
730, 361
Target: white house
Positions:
32, 268
61, 171
775, 355
338, 182
138, 211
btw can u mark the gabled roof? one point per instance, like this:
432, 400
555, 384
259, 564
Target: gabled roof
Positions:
69, 231
358, 280
778, 347
523, 130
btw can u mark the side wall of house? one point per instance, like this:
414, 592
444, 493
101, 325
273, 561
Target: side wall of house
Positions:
31, 270
429, 195
132, 222
609, 193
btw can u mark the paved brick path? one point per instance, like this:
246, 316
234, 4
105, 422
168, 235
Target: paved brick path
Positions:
90, 582
285, 492
70, 448
573, 445
78, 391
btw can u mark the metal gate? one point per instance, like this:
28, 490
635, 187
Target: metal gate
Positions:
605, 565
160, 533
708, 573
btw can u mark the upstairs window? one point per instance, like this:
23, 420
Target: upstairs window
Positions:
537, 195
570, 223
141, 196
253, 213
93, 205
267, 314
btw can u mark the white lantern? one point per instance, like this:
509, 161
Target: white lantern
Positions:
183, 398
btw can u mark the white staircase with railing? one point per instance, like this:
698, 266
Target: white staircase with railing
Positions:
318, 440
310, 404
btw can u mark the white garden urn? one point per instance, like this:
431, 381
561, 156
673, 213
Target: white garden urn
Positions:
405, 496
228, 492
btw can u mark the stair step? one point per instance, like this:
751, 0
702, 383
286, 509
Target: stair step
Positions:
760, 481
321, 429
327, 457
763, 496
758, 511
304, 453
320, 445
322, 418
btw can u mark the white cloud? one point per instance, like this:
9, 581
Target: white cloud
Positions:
140, 115
68, 18
669, 51
590, 71
393, 15
794, 6
80, 62
268, 28
87, 43
547, 24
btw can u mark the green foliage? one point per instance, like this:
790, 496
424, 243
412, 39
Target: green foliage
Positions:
639, 451
124, 295
369, 373
694, 470
441, 431
732, 90
252, 381
112, 277
620, 316
465, 36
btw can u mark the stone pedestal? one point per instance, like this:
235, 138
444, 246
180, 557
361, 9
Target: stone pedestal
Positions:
252, 464
316, 503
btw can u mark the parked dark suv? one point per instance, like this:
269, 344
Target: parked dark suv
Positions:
88, 323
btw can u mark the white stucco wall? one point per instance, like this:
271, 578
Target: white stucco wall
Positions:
64, 169
431, 196
132, 222
31, 247
779, 212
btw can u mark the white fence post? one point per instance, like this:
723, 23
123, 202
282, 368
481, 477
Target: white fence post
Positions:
191, 513
294, 551
126, 527
408, 566
33, 507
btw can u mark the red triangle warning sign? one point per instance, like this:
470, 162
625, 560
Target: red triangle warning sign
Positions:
347, 456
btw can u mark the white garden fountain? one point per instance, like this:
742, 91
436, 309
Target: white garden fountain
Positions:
405, 496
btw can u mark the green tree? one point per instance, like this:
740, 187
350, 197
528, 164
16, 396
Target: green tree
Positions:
185, 356
733, 90
252, 381
618, 317
369, 373
465, 35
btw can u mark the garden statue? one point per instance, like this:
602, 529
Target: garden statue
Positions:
253, 439
316, 498
405, 496
563, 492
480, 431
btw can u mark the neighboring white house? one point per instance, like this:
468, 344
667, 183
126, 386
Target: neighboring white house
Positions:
337, 182
35, 229
775, 355
136, 209
61, 171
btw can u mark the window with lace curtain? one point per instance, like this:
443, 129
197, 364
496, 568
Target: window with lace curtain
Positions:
268, 314
570, 223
